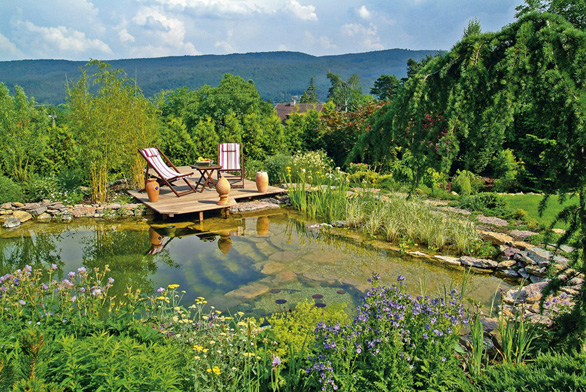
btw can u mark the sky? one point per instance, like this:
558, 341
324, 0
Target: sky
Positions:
119, 29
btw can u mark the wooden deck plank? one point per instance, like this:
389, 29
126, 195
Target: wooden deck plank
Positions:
171, 205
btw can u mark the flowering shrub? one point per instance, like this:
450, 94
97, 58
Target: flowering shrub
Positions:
397, 343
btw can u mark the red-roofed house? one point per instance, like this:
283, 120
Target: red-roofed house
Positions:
284, 110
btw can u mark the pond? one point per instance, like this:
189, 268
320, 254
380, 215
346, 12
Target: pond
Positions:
256, 264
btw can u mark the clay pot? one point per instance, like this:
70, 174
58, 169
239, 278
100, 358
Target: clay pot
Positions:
152, 189
262, 225
223, 188
262, 181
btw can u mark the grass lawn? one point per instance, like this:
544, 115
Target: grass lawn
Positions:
530, 203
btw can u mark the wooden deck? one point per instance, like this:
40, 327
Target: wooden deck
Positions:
170, 205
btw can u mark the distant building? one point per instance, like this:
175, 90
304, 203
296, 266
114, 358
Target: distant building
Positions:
284, 110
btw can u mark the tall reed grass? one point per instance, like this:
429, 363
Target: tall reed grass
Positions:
394, 217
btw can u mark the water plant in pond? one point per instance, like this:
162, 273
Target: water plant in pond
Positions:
392, 216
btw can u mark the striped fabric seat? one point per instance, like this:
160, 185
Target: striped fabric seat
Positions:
231, 159
165, 169
154, 159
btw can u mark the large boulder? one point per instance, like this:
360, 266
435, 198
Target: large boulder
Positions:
478, 263
526, 294
23, 216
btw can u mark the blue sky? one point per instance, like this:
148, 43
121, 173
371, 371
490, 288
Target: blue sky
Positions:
115, 29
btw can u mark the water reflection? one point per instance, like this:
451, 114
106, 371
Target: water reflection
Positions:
246, 263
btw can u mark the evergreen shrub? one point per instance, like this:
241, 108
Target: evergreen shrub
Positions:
9, 191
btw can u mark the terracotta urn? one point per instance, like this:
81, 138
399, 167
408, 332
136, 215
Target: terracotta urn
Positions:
152, 189
262, 225
223, 188
262, 181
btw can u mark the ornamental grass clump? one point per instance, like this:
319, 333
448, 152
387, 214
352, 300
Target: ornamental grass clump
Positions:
396, 343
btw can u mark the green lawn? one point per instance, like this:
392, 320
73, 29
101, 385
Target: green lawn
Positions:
530, 203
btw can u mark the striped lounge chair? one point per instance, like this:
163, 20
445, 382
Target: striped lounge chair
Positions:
231, 159
166, 171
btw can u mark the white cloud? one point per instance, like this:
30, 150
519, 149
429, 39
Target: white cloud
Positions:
303, 12
219, 8
125, 37
363, 12
62, 39
8, 50
325, 43
366, 36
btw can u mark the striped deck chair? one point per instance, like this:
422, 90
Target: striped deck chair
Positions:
231, 159
166, 171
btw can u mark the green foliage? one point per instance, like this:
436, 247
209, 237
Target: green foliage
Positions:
416, 352
484, 202
275, 167
466, 183
9, 190
341, 129
293, 332
23, 135
251, 167
38, 188
505, 168
386, 87
104, 361
110, 125
310, 95
346, 94
572, 10
550, 371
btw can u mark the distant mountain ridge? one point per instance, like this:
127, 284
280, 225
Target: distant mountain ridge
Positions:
277, 75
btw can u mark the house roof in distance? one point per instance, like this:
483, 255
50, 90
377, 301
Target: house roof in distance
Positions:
284, 110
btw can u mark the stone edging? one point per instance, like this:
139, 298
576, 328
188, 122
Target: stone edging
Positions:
13, 214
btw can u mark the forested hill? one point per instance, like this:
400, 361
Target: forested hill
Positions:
277, 75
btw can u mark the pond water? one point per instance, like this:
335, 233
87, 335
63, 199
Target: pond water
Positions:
256, 264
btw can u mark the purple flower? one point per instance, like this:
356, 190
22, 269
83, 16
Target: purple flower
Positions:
27, 268
73, 299
44, 286
81, 270
401, 278
110, 280
160, 290
96, 292
20, 301
53, 267
276, 361
71, 275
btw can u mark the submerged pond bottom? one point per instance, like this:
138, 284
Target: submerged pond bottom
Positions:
258, 264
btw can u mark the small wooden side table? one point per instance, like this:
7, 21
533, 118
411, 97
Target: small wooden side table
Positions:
206, 176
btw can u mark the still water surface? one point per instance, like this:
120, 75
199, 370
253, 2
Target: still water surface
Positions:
253, 264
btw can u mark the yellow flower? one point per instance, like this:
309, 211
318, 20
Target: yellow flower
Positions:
161, 298
216, 370
218, 312
173, 286
197, 357
208, 370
